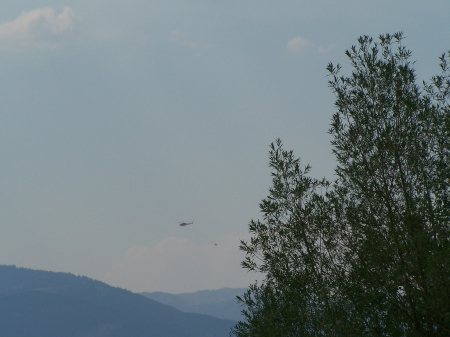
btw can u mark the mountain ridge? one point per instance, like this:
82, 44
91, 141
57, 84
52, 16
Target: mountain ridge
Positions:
221, 303
48, 304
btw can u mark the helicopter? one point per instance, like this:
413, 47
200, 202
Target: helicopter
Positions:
182, 224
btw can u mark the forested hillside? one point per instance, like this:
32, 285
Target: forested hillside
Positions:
47, 304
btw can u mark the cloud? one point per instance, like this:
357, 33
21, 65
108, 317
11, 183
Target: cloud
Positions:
39, 28
179, 265
323, 49
186, 41
298, 45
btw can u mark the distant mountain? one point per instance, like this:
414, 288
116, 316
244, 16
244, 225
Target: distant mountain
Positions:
220, 303
45, 304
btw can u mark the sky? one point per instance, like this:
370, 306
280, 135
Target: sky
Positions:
120, 118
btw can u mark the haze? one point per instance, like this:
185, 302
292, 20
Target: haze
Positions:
121, 118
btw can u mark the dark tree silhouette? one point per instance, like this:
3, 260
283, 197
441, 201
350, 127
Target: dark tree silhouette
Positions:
367, 254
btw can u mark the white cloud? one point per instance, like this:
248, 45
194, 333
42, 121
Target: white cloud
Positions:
298, 45
39, 28
186, 41
323, 49
178, 265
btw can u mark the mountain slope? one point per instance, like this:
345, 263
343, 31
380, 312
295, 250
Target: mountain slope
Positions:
46, 304
220, 303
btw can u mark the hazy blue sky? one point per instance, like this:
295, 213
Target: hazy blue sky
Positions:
120, 118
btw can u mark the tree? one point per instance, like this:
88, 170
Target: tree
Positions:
369, 253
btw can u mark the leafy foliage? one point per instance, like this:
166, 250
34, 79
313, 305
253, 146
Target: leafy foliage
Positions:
367, 254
